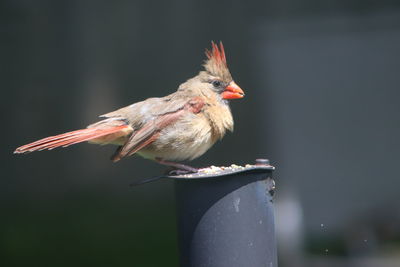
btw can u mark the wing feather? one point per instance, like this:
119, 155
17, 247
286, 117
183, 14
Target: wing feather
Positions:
150, 131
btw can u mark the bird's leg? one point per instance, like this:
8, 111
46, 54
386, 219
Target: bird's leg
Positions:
180, 168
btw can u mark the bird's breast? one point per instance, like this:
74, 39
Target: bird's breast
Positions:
188, 138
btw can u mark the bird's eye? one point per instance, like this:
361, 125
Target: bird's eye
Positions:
216, 83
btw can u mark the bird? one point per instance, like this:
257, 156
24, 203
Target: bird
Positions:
178, 127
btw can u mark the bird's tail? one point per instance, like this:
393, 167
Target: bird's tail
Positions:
69, 138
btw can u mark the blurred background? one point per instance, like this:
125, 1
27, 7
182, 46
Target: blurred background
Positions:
322, 103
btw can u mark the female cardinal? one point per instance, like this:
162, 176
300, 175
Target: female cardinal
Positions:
177, 127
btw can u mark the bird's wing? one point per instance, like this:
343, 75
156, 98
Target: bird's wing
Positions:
149, 117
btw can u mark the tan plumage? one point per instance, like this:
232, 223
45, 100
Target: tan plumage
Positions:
180, 126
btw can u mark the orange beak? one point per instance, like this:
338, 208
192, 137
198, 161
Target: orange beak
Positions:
232, 91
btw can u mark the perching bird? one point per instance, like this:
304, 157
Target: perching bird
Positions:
177, 127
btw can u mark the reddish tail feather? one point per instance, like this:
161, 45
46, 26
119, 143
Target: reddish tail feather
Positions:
67, 139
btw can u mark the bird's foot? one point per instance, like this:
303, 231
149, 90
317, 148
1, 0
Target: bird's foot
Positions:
177, 172
178, 168
175, 169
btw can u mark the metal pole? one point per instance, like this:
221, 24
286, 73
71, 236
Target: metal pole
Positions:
226, 218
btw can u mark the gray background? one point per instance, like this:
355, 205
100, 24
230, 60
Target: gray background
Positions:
321, 82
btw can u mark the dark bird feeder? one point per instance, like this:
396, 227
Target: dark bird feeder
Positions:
226, 217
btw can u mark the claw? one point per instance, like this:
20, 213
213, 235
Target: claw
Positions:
177, 166
178, 172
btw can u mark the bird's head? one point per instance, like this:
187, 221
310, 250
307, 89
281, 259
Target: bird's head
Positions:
217, 74
216, 77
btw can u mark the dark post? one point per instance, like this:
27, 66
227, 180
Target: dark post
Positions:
226, 217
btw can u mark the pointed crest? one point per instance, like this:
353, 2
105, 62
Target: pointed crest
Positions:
216, 62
